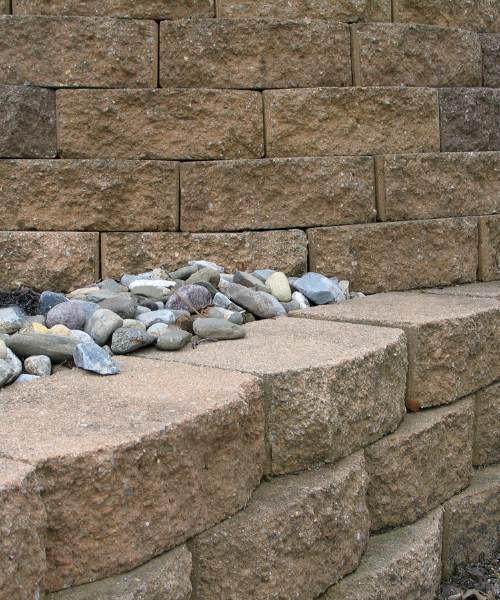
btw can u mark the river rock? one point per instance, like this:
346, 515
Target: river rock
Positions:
133, 324
222, 313
92, 357
251, 300
5, 372
112, 286
158, 328
205, 263
319, 288
196, 295
57, 347
208, 286
128, 279
102, 324
279, 286
3, 350
149, 304
205, 274
152, 293
89, 308
59, 330
16, 366
71, 314
25, 377
263, 274
38, 365
81, 336
80, 292
159, 274
141, 310
220, 329
34, 319
102, 295
48, 300
124, 306
224, 302
292, 305
158, 316
173, 339
157, 283
278, 307
185, 322
183, 273
11, 319
249, 281
128, 340
34, 328
302, 301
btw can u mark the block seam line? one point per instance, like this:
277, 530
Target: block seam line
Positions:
380, 204
355, 56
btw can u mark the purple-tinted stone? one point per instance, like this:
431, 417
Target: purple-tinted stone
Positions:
196, 295
71, 314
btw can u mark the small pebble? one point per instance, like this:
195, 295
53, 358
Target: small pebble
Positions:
157, 328
48, 300
38, 365
60, 330
81, 336
92, 357
158, 316
133, 324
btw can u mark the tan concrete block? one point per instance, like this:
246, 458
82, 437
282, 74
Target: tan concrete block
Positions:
452, 341
277, 193
22, 527
86, 195
134, 252
471, 521
160, 123
254, 53
418, 55
329, 389
491, 60
479, 15
489, 248
133, 465
48, 261
348, 11
487, 426
167, 576
425, 461
298, 535
397, 256
78, 52
446, 184
404, 563
486, 289
130, 9
326, 121
5, 7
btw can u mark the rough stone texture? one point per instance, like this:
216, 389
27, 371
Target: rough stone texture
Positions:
397, 256
5, 7
27, 122
22, 526
75, 51
489, 248
425, 461
297, 536
487, 289
418, 55
453, 342
109, 195
491, 60
469, 119
135, 464
348, 11
48, 261
167, 577
477, 15
254, 53
135, 252
471, 521
164, 124
131, 9
429, 186
276, 193
487, 426
330, 389
404, 563
325, 121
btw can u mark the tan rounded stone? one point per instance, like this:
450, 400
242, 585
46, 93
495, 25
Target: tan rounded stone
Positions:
279, 286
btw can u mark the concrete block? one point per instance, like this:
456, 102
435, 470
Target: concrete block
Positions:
326, 121
160, 123
78, 52
480, 289
297, 536
397, 256
489, 248
5, 8
491, 60
487, 425
277, 193
27, 122
86, 195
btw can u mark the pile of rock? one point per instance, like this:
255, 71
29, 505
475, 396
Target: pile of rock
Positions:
89, 325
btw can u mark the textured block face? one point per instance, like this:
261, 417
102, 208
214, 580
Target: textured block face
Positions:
276, 193
27, 122
418, 55
297, 536
397, 256
78, 52
449, 184
83, 195
22, 523
491, 60
163, 124
127, 479
5, 7
471, 521
452, 340
254, 53
49, 261
135, 252
426, 461
326, 121
489, 248
487, 426
404, 563
470, 119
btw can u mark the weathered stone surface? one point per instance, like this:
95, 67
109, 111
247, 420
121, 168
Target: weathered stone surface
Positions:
489, 248
469, 119
276, 193
417, 55
477, 15
57, 347
480, 289
471, 521
404, 563
297, 536
91, 195
197, 295
160, 123
487, 426
53, 261
329, 389
397, 256
452, 341
91, 357
173, 339
22, 523
219, 329
446, 184
71, 314
5, 7
131, 252
348, 11
118, 441
425, 461
11, 319
254, 53
325, 121
27, 122
491, 60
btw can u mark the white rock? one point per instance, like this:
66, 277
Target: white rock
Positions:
301, 299
205, 263
157, 328
160, 283
344, 286
157, 316
279, 286
3, 350
81, 336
